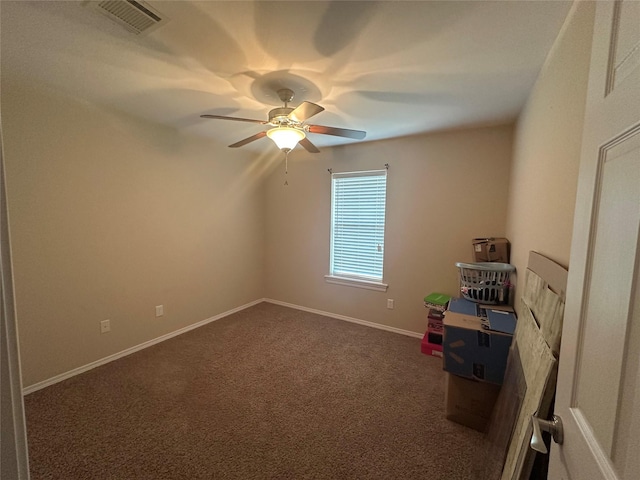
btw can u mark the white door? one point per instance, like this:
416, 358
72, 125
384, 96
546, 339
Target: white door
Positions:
598, 393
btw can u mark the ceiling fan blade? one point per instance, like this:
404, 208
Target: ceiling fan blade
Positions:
249, 139
308, 146
305, 110
236, 119
338, 132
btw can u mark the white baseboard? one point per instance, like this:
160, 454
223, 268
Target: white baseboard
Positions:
76, 371
366, 323
129, 351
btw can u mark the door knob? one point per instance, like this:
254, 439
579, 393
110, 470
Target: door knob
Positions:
553, 426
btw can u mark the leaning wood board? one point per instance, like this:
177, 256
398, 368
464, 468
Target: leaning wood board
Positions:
532, 369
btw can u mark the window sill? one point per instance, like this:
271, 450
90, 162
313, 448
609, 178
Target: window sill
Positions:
356, 282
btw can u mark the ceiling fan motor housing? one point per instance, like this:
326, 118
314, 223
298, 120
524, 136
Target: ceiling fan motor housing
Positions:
280, 116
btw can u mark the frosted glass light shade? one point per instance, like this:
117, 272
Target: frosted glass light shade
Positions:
285, 137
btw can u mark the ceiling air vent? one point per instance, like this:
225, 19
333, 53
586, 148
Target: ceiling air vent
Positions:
135, 16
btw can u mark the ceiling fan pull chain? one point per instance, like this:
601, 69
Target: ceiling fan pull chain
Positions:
286, 167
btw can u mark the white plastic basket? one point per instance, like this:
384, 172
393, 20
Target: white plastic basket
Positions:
485, 282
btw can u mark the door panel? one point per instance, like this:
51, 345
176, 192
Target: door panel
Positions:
598, 390
626, 441
625, 42
610, 277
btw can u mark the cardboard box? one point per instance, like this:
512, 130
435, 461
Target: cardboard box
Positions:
491, 250
432, 350
469, 402
478, 349
429, 347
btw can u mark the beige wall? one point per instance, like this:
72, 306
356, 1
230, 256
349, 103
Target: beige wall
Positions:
109, 217
544, 173
443, 190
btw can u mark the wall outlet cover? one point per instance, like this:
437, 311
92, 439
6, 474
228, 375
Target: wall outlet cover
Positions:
105, 326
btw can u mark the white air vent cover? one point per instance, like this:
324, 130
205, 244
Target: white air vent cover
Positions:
135, 15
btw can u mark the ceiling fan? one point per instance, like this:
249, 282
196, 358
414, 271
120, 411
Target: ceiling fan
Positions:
288, 125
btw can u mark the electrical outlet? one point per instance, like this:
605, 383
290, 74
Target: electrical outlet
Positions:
105, 326
159, 310
390, 303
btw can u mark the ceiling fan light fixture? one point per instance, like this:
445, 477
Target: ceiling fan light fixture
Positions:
286, 138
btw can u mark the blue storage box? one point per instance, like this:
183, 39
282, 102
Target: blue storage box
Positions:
478, 349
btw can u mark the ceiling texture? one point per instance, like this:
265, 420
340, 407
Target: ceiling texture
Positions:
391, 68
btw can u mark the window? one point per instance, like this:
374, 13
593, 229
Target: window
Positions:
357, 228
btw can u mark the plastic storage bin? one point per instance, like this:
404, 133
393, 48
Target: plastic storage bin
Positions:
485, 282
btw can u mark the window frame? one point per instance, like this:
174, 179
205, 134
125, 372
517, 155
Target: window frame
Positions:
348, 279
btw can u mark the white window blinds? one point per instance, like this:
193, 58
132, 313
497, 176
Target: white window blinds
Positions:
357, 224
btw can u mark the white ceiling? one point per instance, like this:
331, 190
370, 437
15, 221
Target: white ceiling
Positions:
391, 68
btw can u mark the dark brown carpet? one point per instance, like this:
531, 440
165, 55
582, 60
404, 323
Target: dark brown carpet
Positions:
266, 393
